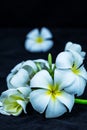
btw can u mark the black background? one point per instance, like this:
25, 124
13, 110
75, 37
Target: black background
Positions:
35, 13
67, 20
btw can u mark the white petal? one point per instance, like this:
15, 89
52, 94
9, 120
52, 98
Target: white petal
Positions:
29, 44
64, 78
20, 78
39, 100
66, 99
73, 46
2, 111
41, 61
41, 80
64, 60
23, 105
46, 45
33, 34
77, 87
78, 59
36, 48
45, 33
68, 45
1, 104
83, 72
17, 113
9, 85
17, 67
75, 49
32, 46
8, 92
25, 91
83, 54
31, 64
55, 109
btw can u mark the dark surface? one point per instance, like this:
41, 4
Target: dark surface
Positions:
12, 52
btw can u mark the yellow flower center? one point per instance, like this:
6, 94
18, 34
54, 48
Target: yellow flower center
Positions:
75, 70
53, 91
39, 40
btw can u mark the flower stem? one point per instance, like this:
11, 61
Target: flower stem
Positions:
38, 66
80, 101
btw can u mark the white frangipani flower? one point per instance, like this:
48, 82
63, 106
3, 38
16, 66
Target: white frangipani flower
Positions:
39, 41
49, 94
13, 101
73, 47
72, 64
20, 74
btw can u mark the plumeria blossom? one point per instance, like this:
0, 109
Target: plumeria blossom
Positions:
49, 94
72, 63
14, 101
39, 41
20, 75
73, 47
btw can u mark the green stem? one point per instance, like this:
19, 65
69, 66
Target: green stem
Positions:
38, 66
80, 101
50, 60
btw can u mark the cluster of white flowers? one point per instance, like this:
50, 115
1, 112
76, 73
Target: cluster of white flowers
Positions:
51, 88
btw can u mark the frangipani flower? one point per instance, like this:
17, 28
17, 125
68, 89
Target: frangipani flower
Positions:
73, 47
39, 41
72, 64
20, 75
13, 101
49, 94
